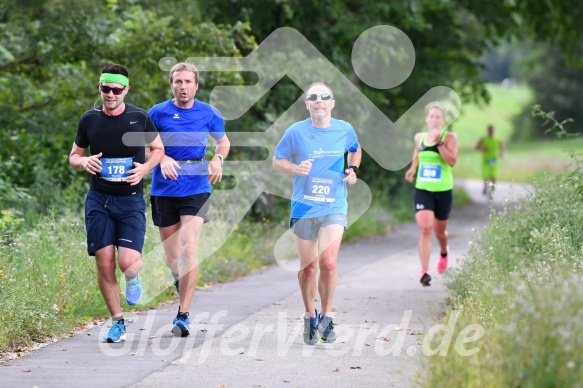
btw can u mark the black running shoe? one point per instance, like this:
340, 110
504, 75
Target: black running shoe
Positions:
425, 279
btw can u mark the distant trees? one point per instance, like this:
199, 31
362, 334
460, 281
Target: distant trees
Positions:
557, 84
51, 54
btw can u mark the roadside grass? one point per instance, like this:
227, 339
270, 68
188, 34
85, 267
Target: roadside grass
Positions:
520, 284
48, 282
518, 294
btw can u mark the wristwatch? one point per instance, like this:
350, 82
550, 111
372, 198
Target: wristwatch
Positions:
354, 168
221, 157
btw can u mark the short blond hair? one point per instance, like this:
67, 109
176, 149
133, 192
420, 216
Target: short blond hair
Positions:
184, 66
435, 104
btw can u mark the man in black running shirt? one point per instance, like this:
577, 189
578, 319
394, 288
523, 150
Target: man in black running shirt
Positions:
117, 134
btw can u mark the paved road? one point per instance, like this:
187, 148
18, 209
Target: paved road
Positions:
248, 333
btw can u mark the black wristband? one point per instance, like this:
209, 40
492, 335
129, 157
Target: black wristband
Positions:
354, 168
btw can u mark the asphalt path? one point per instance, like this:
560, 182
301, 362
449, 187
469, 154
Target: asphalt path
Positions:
248, 333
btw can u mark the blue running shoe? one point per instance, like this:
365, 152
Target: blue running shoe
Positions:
117, 332
310, 329
326, 329
181, 323
133, 290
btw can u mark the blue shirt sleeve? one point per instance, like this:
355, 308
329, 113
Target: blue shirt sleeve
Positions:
217, 124
284, 147
352, 140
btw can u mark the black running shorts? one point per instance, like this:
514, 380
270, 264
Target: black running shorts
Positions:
166, 211
439, 202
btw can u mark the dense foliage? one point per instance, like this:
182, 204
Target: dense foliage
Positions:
51, 57
52, 51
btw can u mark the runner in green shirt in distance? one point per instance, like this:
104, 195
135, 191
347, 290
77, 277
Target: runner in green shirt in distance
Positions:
492, 149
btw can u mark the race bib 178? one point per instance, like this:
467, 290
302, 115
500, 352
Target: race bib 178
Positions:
115, 169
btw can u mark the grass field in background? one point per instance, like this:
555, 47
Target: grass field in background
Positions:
505, 103
522, 160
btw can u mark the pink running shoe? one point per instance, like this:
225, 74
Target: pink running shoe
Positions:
442, 263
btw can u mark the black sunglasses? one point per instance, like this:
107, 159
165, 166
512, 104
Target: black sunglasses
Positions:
323, 96
116, 91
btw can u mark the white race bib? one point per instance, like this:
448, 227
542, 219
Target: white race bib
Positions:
429, 173
320, 189
116, 169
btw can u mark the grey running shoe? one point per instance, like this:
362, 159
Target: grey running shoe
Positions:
311, 330
326, 330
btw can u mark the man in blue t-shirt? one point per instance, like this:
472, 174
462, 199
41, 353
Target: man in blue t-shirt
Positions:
181, 184
313, 152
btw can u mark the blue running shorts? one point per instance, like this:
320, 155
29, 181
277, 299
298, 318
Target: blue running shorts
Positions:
118, 220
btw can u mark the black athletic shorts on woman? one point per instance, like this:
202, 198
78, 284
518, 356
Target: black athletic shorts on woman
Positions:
166, 211
439, 202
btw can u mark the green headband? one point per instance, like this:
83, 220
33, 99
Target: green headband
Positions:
115, 78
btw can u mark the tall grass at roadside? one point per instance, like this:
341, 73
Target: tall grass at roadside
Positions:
48, 283
522, 283
249, 248
46, 277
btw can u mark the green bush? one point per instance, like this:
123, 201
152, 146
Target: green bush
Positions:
9, 224
521, 283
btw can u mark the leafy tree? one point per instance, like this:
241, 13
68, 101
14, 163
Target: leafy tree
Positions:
50, 59
51, 53
447, 44
449, 39
555, 22
557, 85
553, 68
